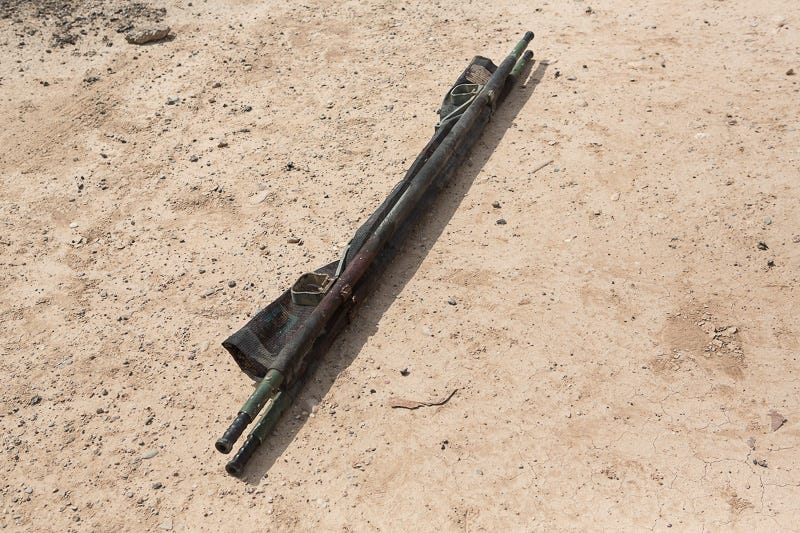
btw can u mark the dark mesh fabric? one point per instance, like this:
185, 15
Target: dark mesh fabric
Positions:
255, 346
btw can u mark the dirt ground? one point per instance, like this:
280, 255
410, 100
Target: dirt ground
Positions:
625, 349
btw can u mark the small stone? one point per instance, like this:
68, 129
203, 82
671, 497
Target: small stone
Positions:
166, 525
173, 100
35, 400
73, 225
247, 108
496, 204
770, 263
157, 485
232, 283
29, 491
293, 240
615, 197
790, 72
501, 222
796, 239
193, 158
147, 35
767, 220
149, 454
99, 411
763, 246
426, 331
405, 372
222, 144
451, 301
776, 420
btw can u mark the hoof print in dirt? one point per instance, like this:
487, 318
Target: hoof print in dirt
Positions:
147, 35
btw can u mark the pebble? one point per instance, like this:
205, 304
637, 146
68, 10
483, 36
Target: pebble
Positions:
231, 283
29, 491
496, 204
767, 220
451, 301
35, 400
293, 240
157, 485
166, 525
615, 197
147, 35
501, 222
193, 158
247, 108
222, 144
149, 454
790, 72
763, 246
426, 331
73, 225
173, 100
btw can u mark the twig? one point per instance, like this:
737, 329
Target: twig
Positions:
399, 403
540, 167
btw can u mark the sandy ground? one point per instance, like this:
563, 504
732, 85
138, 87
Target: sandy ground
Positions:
617, 346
